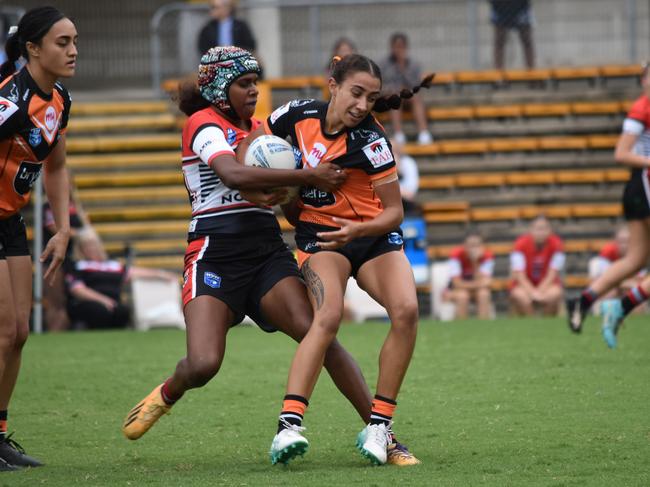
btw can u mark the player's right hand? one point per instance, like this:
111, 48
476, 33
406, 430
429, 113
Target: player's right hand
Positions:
327, 177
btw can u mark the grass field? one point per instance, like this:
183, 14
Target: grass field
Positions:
506, 403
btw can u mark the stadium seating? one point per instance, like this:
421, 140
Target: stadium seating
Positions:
519, 145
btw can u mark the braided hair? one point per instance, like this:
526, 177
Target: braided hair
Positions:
32, 27
341, 68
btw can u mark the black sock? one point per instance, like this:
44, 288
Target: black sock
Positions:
587, 298
632, 299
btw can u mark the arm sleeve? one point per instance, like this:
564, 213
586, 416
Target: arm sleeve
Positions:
209, 142
487, 267
557, 261
455, 269
517, 261
633, 126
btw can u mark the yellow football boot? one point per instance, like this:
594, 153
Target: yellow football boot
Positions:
399, 455
145, 414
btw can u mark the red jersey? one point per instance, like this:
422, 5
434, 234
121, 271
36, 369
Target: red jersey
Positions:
31, 123
536, 261
461, 265
364, 151
217, 209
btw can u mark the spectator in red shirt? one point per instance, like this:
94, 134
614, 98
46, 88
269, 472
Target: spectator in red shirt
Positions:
471, 266
536, 264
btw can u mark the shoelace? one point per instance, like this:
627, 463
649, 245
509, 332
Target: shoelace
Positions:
14, 444
291, 426
384, 436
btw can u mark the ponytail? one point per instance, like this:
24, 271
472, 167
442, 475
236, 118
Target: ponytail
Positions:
12, 50
394, 101
32, 27
189, 98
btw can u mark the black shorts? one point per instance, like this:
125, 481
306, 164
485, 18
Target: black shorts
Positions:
238, 271
636, 196
13, 237
358, 252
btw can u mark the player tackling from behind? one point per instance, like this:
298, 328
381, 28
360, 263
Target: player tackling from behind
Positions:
236, 262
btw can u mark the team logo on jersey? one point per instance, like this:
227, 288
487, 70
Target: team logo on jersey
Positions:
299, 103
278, 112
50, 118
378, 153
26, 175
50, 125
369, 135
212, 280
13, 93
316, 154
316, 198
394, 238
231, 136
35, 137
7, 109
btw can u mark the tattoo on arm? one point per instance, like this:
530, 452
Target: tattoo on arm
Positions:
314, 284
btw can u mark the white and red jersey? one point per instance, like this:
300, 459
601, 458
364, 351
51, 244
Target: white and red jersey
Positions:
535, 261
460, 265
637, 123
217, 209
609, 254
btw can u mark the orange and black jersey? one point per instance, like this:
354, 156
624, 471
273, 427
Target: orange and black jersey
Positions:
364, 151
31, 123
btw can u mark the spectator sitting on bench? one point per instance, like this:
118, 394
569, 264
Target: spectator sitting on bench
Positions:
471, 267
95, 285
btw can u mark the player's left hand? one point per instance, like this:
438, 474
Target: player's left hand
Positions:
338, 238
55, 249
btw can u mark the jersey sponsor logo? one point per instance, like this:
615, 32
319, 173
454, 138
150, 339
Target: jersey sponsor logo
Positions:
231, 136
7, 109
378, 153
26, 175
50, 118
316, 198
212, 280
394, 238
300, 103
310, 246
316, 154
369, 135
35, 137
13, 93
279, 112
309, 112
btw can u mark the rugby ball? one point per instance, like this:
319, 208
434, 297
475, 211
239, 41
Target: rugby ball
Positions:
271, 152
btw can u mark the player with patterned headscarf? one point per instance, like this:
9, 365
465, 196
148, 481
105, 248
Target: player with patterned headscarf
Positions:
236, 262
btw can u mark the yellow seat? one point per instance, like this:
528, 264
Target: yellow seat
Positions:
437, 182
595, 108
443, 78
470, 180
446, 217
551, 211
580, 177
125, 159
530, 178
154, 142
498, 111
463, 146
602, 141
422, 150
264, 106
450, 113
527, 74
621, 70
118, 108
626, 105
597, 210
487, 76
546, 109
575, 72
576, 281
439, 206
562, 143
514, 145
131, 194
617, 175
496, 213
296, 82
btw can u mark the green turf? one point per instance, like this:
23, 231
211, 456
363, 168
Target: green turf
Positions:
505, 403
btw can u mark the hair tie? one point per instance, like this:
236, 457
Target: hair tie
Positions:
13, 29
336, 59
